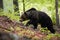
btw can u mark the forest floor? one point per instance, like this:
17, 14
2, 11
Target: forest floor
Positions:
26, 33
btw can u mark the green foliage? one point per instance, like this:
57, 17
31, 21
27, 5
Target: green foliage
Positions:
1, 12
49, 36
54, 18
59, 3
12, 16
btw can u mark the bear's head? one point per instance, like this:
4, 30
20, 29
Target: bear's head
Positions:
27, 15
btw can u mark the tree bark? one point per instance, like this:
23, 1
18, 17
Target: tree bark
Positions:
1, 4
57, 16
23, 6
16, 9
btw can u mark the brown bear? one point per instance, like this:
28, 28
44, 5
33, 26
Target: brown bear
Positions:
38, 17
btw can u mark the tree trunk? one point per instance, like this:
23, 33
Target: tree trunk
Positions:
1, 4
16, 9
23, 6
57, 16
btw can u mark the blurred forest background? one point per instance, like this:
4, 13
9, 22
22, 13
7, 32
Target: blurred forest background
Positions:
13, 9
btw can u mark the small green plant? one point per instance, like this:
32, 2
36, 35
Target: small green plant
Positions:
12, 16
54, 18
